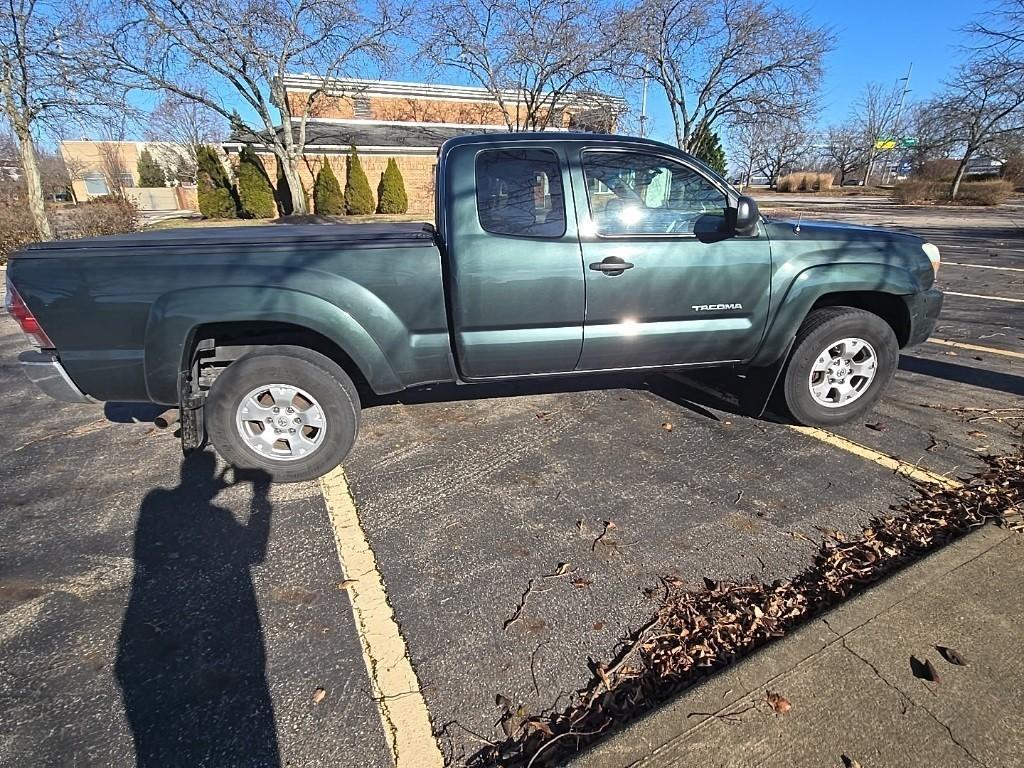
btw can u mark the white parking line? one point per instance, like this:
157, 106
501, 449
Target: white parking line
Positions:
981, 266
979, 296
977, 348
403, 710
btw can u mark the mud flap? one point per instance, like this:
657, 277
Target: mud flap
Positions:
193, 425
760, 383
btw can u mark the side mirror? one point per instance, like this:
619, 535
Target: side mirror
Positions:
746, 216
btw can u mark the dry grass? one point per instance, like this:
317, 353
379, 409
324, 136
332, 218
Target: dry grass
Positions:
971, 192
805, 181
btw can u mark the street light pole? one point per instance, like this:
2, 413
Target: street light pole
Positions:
899, 115
643, 111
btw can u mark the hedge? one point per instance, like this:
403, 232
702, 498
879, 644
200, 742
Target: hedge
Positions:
327, 197
358, 197
255, 193
391, 196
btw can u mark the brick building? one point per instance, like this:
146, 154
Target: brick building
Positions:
408, 122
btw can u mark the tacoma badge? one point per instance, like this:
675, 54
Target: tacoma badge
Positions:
715, 307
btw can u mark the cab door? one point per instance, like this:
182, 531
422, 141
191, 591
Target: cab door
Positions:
514, 266
667, 282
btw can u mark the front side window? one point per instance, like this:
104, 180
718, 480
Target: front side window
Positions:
519, 192
632, 193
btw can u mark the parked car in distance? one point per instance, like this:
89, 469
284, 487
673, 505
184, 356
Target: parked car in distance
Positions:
552, 254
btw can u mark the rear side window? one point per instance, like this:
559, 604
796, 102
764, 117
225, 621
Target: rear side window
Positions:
519, 192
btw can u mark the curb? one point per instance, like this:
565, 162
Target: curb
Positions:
641, 741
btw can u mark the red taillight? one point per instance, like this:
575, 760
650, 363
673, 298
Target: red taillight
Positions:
17, 309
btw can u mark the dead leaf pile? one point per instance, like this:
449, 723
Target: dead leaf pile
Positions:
697, 631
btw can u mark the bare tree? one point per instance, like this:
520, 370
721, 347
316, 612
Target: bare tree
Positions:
177, 127
875, 111
845, 149
112, 167
725, 60
983, 103
781, 146
48, 74
1000, 31
531, 55
240, 51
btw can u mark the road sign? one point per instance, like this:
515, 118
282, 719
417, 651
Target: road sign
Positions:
885, 144
908, 141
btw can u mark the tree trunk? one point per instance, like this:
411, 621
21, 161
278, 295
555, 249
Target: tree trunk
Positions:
33, 184
291, 175
960, 171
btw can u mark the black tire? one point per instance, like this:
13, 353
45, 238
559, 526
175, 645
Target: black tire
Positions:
822, 328
298, 367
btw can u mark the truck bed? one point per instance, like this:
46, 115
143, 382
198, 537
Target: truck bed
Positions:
348, 235
123, 311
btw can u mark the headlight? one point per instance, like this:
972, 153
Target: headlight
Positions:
932, 252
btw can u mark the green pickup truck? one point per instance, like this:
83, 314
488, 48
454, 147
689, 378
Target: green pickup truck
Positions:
553, 254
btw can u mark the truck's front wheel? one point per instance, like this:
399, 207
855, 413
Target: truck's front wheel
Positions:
288, 411
842, 361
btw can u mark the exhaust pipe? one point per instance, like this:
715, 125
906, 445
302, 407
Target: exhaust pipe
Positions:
167, 418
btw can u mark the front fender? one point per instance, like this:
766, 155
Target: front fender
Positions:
175, 316
811, 284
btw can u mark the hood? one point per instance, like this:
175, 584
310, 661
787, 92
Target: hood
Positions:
834, 231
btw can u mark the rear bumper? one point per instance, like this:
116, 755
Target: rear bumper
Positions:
924, 308
45, 371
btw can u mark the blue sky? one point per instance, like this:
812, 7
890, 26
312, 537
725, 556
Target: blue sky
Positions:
876, 40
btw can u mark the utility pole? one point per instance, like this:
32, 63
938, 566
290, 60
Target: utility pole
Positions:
899, 114
643, 111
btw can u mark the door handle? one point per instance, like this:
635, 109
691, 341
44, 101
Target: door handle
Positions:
613, 265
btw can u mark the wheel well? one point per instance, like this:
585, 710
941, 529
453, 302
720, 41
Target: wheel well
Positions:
887, 306
215, 345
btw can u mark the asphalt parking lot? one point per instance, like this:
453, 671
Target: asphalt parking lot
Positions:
172, 611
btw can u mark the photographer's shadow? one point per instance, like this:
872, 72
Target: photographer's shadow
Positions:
191, 658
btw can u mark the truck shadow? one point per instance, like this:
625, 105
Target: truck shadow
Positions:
191, 656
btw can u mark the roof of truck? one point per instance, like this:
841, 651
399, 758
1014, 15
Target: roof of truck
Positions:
550, 137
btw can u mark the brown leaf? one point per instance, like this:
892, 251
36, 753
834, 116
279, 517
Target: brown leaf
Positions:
318, 695
849, 762
952, 655
778, 702
877, 426
923, 670
501, 701
598, 626
667, 426
506, 722
346, 583
539, 725
976, 433
581, 583
561, 570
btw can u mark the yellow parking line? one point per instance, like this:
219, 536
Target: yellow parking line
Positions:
979, 296
977, 348
403, 710
890, 462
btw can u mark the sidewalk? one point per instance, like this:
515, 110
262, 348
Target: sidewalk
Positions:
848, 678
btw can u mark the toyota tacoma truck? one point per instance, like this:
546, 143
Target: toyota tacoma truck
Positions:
552, 254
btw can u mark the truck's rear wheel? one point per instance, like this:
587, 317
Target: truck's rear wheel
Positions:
842, 361
288, 411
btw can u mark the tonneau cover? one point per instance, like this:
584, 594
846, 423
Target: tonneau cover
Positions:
396, 234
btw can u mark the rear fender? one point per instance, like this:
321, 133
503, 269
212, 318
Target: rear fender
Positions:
175, 316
